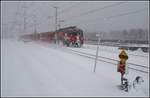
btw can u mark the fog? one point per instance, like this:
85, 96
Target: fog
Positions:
20, 18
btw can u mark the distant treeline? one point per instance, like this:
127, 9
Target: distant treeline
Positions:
122, 36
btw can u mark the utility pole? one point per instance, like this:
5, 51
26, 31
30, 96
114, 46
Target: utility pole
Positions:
56, 13
49, 17
97, 35
56, 17
35, 30
24, 19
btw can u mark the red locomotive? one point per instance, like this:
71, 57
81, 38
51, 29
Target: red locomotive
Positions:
71, 36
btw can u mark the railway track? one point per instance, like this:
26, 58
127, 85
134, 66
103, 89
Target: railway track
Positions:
113, 52
132, 66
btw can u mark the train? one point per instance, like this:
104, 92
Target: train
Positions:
69, 36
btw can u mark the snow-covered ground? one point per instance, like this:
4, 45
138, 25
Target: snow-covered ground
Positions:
135, 57
33, 69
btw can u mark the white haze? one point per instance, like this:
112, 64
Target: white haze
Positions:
71, 13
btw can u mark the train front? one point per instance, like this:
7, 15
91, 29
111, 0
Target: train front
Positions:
73, 37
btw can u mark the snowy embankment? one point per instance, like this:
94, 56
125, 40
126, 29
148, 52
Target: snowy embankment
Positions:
30, 69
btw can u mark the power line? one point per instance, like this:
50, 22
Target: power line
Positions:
69, 8
128, 13
122, 14
89, 12
98, 9
52, 5
63, 11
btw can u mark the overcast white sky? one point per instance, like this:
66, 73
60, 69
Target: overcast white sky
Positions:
127, 15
